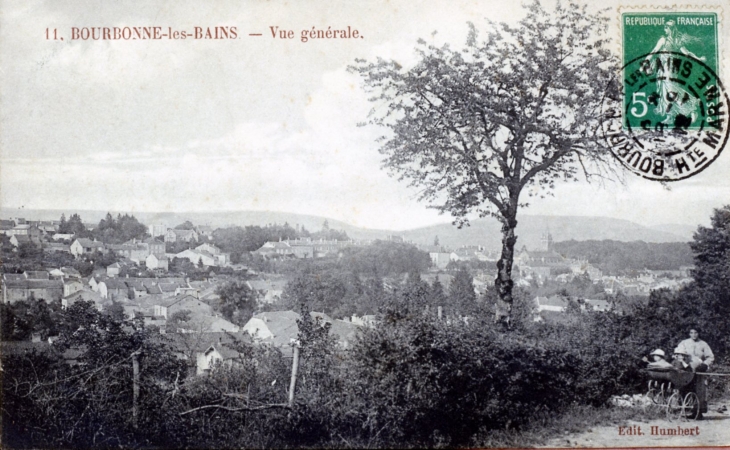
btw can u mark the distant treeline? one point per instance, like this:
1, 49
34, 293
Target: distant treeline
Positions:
620, 257
110, 230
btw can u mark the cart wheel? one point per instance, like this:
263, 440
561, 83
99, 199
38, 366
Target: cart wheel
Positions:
654, 400
675, 407
665, 393
650, 400
651, 395
691, 406
660, 398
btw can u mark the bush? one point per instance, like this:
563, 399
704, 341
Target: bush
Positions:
421, 382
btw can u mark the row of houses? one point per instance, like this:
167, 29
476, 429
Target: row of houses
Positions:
22, 227
640, 286
36, 229
135, 250
557, 303
442, 256
122, 289
302, 248
31, 285
60, 283
152, 252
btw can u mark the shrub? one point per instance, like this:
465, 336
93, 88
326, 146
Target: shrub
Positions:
420, 382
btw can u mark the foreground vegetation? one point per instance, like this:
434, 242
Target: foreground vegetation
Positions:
415, 380
412, 381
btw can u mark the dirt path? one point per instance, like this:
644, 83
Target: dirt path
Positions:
714, 430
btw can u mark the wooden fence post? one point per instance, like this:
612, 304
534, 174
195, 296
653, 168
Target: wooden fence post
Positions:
294, 369
135, 388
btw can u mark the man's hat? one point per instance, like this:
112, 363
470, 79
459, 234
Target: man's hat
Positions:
680, 351
659, 352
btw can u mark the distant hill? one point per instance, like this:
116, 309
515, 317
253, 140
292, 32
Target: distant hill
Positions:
262, 218
685, 231
614, 257
216, 219
530, 229
484, 232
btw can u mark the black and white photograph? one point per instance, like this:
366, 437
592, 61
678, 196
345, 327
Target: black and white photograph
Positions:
376, 224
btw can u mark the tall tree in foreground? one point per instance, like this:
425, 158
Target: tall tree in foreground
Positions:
703, 304
516, 111
709, 295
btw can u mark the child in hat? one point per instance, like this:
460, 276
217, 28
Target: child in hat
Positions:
657, 360
681, 359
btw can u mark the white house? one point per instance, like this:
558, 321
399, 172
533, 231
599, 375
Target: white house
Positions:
440, 257
210, 248
257, 328
277, 327
222, 259
596, 305
20, 229
553, 303
280, 328
157, 262
207, 359
195, 257
71, 286
216, 353
157, 230
85, 246
113, 269
173, 235
219, 324
17, 239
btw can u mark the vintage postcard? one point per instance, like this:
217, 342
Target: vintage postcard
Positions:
364, 224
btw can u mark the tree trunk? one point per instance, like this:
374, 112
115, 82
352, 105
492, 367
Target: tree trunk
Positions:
135, 389
294, 368
504, 282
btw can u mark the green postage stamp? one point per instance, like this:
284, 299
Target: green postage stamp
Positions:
669, 46
673, 106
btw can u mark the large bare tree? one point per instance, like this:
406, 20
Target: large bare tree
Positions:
509, 114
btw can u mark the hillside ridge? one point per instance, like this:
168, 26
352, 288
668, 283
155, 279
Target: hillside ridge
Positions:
485, 232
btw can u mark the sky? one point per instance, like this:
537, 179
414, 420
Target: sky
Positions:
254, 123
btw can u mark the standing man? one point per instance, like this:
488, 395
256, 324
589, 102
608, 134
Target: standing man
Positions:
700, 352
701, 359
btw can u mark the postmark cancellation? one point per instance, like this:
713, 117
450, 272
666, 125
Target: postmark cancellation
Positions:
665, 115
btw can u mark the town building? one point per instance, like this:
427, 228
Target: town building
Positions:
221, 259
198, 257
175, 235
16, 240
157, 262
30, 285
279, 328
157, 230
84, 246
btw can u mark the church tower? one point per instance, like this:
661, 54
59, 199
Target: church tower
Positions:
546, 242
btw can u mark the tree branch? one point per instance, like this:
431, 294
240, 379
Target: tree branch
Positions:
242, 408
